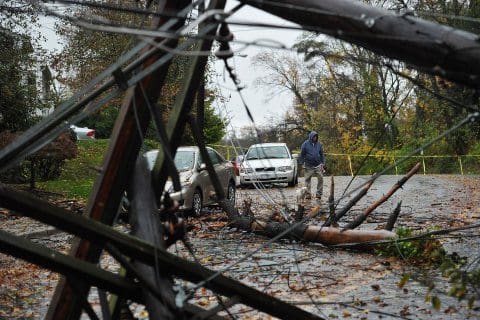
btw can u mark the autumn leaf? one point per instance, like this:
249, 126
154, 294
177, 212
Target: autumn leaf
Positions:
403, 281
436, 303
218, 224
204, 302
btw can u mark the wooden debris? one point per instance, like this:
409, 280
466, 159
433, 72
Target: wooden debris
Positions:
331, 236
331, 199
349, 205
393, 217
303, 232
299, 213
360, 219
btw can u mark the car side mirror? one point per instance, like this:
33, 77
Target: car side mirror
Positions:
202, 167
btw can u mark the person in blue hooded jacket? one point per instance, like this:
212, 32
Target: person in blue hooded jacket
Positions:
313, 159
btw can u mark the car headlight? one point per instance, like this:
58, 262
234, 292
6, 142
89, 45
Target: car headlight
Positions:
284, 168
185, 182
246, 170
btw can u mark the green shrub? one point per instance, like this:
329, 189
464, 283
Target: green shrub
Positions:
426, 250
78, 175
44, 164
471, 162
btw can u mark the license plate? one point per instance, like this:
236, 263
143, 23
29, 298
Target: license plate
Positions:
264, 176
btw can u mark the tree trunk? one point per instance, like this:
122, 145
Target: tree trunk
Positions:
302, 232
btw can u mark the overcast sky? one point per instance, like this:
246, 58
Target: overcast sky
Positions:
255, 97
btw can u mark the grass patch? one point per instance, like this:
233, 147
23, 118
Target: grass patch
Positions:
78, 190
78, 175
90, 156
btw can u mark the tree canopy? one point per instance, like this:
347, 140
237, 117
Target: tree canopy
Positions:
359, 101
20, 58
86, 53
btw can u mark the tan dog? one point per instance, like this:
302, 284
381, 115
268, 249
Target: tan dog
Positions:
302, 195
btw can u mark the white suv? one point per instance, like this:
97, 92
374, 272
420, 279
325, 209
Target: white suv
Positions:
269, 163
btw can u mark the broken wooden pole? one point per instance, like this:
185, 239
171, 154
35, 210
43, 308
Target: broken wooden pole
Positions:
333, 236
303, 232
146, 225
331, 199
360, 219
118, 166
393, 217
349, 205
299, 213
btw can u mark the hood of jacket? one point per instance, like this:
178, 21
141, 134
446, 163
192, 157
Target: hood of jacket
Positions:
311, 135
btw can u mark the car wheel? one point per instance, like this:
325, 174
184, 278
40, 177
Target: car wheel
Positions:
197, 203
231, 193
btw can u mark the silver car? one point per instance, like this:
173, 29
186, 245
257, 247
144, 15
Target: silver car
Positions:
197, 189
269, 163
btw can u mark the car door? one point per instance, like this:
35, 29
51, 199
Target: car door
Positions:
219, 166
225, 169
203, 179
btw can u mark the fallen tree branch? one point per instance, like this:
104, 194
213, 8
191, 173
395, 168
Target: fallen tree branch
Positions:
303, 232
419, 237
314, 212
393, 217
349, 205
333, 236
331, 199
360, 219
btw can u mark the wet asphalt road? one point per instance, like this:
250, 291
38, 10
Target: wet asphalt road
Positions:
319, 279
333, 283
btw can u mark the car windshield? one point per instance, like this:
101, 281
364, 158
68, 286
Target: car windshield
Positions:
151, 156
270, 152
184, 160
